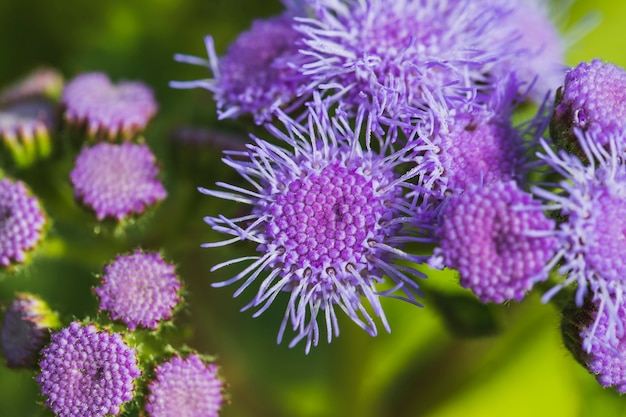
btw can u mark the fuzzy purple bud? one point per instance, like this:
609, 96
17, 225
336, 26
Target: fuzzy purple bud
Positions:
25, 330
185, 387
22, 221
498, 239
108, 110
139, 289
117, 180
86, 372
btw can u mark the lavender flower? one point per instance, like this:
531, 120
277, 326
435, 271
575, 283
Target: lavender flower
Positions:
591, 199
542, 64
42, 82
86, 372
405, 58
25, 330
184, 386
21, 221
498, 239
254, 76
117, 180
593, 98
139, 289
329, 219
25, 128
108, 110
604, 356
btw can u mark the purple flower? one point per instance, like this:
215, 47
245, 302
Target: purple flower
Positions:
498, 239
86, 372
593, 98
591, 200
139, 289
605, 351
117, 180
21, 221
108, 110
185, 386
25, 330
25, 127
405, 58
42, 82
254, 76
542, 64
328, 218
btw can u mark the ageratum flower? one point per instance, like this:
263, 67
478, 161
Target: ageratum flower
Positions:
591, 200
117, 180
25, 330
593, 99
21, 221
403, 58
86, 372
604, 356
185, 387
329, 219
498, 239
254, 76
108, 110
139, 289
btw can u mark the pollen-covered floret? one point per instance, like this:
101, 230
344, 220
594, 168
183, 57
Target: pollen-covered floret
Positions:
117, 180
86, 372
498, 239
139, 289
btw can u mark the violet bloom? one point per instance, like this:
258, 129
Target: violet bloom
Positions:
25, 330
498, 239
184, 387
605, 351
108, 110
21, 222
117, 180
591, 200
254, 76
329, 220
404, 58
42, 82
86, 372
139, 289
593, 98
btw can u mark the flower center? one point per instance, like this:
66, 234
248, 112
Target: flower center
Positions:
325, 219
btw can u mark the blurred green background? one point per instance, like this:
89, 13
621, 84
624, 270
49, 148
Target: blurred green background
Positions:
444, 360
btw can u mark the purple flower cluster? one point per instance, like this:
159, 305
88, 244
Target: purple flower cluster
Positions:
108, 110
117, 180
22, 221
87, 372
394, 128
185, 387
139, 289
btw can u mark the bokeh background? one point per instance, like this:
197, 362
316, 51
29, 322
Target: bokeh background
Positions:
453, 357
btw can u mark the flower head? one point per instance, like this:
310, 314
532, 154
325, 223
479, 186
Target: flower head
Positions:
497, 238
21, 221
86, 372
185, 386
593, 98
117, 180
42, 82
25, 330
591, 199
328, 217
139, 289
105, 109
403, 58
254, 76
